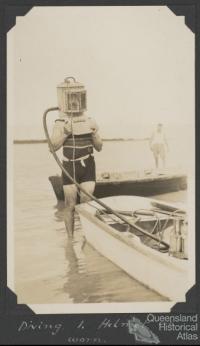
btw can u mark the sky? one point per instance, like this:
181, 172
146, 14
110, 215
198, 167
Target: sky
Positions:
137, 64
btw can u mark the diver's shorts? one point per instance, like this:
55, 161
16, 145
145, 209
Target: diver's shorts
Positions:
84, 171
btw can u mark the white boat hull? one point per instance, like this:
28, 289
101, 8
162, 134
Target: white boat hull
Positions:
165, 274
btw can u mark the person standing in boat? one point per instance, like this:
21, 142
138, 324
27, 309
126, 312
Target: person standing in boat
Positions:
159, 146
78, 135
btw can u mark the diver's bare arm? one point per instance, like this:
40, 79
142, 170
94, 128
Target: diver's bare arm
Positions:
58, 136
97, 141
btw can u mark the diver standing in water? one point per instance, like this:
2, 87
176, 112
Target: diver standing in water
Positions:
78, 135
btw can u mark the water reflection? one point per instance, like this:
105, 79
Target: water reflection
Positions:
78, 241
78, 244
80, 284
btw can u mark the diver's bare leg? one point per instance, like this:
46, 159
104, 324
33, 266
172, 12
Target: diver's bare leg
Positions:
89, 186
70, 192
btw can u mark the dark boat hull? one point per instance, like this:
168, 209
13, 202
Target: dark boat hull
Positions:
138, 187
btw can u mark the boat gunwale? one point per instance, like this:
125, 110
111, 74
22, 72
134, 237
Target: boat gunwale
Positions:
140, 180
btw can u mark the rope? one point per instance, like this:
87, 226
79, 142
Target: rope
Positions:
74, 147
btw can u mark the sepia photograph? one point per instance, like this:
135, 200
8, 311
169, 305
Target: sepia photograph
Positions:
100, 159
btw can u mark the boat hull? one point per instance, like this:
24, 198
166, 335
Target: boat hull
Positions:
125, 185
160, 272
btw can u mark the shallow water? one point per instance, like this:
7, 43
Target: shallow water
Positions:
49, 267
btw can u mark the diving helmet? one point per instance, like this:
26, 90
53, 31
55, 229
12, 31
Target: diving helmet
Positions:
71, 96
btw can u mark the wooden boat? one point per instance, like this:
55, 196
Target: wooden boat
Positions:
144, 183
139, 256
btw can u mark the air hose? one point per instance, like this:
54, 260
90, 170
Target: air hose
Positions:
92, 197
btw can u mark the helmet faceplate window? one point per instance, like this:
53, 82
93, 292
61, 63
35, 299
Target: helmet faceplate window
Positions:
71, 97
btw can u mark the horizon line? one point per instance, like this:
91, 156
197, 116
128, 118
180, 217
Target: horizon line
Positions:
31, 141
